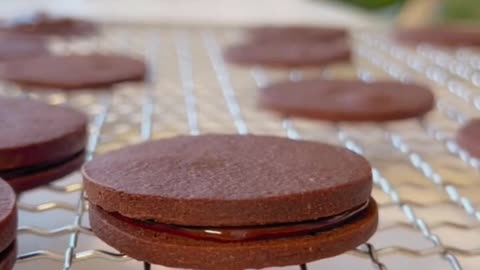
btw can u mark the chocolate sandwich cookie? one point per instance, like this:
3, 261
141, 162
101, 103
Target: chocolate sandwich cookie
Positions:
347, 100
8, 226
230, 201
70, 72
41, 24
468, 137
296, 33
445, 36
305, 53
39, 143
19, 46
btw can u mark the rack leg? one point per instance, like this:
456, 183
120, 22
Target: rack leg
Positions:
303, 267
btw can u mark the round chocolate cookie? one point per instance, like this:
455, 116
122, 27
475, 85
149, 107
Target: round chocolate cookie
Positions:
38, 142
42, 24
452, 37
344, 100
296, 33
468, 137
16, 47
289, 53
74, 71
230, 201
8, 226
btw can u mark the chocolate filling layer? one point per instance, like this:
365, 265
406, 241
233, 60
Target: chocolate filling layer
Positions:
249, 233
15, 173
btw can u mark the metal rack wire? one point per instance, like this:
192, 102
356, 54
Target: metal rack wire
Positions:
426, 185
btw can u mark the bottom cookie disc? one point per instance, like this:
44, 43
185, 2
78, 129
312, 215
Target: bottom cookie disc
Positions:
8, 257
153, 246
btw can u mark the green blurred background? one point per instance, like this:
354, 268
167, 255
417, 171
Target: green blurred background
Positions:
456, 11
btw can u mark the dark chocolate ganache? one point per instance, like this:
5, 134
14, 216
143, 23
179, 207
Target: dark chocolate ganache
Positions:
249, 233
16, 173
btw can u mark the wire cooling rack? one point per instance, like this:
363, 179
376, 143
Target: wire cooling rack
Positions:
427, 187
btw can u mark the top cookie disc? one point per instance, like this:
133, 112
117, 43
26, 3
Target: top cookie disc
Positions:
339, 100
33, 133
228, 180
74, 71
8, 215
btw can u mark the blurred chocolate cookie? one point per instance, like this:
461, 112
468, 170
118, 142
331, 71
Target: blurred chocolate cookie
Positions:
46, 25
39, 143
468, 137
296, 33
289, 54
70, 72
444, 36
8, 226
344, 100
